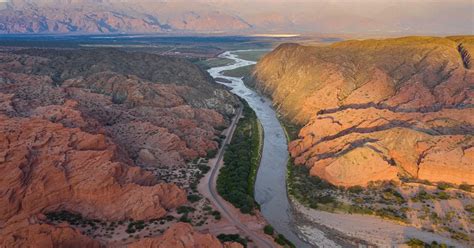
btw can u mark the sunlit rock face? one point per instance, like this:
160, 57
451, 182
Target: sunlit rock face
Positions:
77, 129
377, 109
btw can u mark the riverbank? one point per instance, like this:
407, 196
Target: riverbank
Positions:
270, 189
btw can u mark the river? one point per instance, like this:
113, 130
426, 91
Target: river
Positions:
270, 185
271, 192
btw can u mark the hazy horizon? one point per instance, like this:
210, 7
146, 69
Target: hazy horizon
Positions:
385, 17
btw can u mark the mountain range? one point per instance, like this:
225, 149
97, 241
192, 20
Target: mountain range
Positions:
237, 17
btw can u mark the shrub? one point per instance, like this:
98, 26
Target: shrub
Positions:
356, 189
232, 238
204, 168
443, 195
184, 218
268, 229
211, 154
469, 208
184, 209
466, 187
119, 97
443, 186
216, 214
422, 196
281, 240
415, 243
194, 198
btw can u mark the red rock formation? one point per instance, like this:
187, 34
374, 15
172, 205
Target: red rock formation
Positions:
50, 167
128, 108
182, 235
377, 109
72, 143
43, 235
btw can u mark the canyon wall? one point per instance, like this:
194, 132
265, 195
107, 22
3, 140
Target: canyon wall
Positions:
78, 129
377, 109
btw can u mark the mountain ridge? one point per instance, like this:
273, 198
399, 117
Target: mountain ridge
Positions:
83, 16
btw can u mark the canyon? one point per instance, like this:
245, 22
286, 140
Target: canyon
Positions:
383, 127
84, 135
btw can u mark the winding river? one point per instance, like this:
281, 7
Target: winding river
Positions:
270, 185
271, 192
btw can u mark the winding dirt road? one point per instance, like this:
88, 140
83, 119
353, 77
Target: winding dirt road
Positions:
258, 239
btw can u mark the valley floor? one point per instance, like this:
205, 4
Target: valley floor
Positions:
382, 233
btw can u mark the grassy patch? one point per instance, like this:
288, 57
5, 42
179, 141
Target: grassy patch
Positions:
416, 243
251, 55
239, 72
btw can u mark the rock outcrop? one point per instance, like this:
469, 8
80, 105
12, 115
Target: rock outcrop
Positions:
173, 112
76, 133
377, 109
182, 235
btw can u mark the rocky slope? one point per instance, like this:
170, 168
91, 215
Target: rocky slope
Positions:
113, 17
73, 129
378, 109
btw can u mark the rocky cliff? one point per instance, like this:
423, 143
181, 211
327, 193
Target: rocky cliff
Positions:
378, 109
77, 129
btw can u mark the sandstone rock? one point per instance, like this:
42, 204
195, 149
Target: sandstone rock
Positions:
74, 125
43, 235
51, 167
181, 235
111, 95
376, 110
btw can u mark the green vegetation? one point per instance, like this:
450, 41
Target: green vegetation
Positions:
194, 198
135, 226
216, 214
422, 196
185, 218
268, 229
291, 130
232, 238
444, 186
459, 235
281, 240
416, 243
466, 187
236, 179
278, 238
204, 168
239, 72
251, 55
119, 97
307, 189
185, 209
211, 154
469, 208
65, 216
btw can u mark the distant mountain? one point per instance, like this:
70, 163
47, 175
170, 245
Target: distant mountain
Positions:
216, 16
107, 17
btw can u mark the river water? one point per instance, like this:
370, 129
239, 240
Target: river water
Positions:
270, 185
